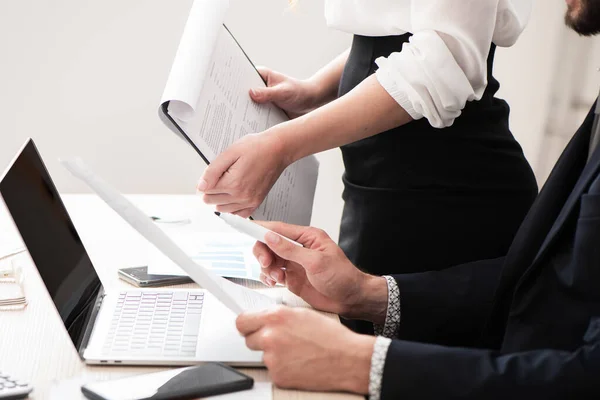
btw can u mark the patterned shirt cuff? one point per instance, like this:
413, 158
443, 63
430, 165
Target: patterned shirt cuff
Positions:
392, 316
380, 350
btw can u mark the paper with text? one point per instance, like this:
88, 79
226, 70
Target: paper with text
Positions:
207, 91
235, 297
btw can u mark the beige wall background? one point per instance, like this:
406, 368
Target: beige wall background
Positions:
84, 78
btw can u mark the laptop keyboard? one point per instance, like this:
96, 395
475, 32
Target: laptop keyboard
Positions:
155, 324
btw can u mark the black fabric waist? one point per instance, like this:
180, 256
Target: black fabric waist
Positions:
477, 152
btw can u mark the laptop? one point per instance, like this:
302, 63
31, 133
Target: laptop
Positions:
133, 327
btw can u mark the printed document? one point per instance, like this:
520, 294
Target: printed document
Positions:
209, 106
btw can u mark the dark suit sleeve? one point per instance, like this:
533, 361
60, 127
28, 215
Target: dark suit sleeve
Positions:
448, 307
424, 371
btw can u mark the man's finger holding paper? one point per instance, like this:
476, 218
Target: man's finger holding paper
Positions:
320, 273
250, 322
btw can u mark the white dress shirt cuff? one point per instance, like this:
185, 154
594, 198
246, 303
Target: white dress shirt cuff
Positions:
380, 349
393, 314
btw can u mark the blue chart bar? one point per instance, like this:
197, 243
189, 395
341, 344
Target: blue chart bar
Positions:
228, 262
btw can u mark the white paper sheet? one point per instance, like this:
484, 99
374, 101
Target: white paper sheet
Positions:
207, 91
235, 297
193, 56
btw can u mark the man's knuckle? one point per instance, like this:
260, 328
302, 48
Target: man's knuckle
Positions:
321, 234
266, 338
277, 315
314, 262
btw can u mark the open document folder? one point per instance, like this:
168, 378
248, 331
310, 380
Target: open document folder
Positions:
235, 297
206, 103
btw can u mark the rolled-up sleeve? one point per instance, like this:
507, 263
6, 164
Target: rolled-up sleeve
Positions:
444, 64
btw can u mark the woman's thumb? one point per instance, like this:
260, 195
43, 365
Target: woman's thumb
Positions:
263, 95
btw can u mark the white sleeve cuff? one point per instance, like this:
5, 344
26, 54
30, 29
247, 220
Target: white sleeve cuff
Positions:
388, 82
427, 81
380, 349
393, 314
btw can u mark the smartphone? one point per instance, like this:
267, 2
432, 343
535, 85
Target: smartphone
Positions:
207, 379
139, 276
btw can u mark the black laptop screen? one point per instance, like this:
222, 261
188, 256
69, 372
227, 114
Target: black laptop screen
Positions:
51, 240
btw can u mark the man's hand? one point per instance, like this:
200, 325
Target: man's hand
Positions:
305, 350
320, 273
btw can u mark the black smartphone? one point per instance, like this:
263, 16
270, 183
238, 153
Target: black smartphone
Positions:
208, 379
139, 276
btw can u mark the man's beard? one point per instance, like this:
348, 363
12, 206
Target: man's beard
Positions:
587, 20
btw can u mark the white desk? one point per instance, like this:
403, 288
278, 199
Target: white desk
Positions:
35, 347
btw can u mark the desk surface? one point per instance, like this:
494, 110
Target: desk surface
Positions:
35, 347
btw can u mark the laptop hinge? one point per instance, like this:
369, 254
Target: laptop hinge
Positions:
89, 325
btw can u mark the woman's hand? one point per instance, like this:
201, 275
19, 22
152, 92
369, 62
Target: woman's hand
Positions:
240, 178
296, 97
320, 273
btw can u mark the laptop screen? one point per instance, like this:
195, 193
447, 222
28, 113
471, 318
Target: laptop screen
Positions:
51, 239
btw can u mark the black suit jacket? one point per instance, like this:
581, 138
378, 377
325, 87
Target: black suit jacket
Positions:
523, 326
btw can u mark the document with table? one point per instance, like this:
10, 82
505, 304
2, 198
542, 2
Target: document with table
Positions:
206, 103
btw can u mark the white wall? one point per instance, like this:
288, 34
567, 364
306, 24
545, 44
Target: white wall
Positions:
84, 77
526, 72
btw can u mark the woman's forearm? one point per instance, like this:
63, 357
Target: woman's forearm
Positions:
365, 111
327, 79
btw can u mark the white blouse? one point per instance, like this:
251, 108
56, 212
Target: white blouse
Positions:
444, 64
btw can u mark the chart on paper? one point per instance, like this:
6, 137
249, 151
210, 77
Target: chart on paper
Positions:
228, 254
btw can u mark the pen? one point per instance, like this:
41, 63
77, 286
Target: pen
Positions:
171, 221
248, 227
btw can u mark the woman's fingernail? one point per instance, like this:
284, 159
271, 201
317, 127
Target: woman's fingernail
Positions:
274, 276
202, 185
272, 238
255, 93
271, 282
261, 260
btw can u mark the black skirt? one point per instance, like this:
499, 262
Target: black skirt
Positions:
419, 198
